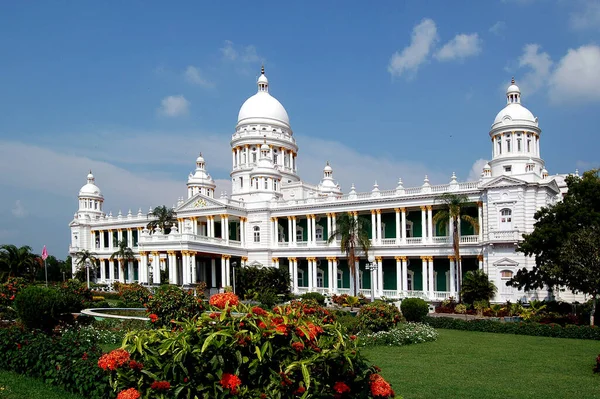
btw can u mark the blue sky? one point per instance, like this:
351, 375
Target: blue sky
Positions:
134, 90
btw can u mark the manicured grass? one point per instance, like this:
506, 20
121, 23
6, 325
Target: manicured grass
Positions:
15, 386
465, 364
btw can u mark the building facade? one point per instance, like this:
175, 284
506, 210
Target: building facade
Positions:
274, 219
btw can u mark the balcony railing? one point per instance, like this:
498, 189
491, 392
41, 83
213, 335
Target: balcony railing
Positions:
505, 235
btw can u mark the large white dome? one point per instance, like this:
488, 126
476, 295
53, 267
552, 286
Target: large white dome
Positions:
262, 107
515, 113
90, 190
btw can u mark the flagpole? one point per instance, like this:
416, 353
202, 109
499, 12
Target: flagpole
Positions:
46, 269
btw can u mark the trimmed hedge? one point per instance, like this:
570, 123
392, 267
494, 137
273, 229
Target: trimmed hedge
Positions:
520, 328
414, 309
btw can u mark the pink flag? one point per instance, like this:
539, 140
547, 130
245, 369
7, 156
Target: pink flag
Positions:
44, 253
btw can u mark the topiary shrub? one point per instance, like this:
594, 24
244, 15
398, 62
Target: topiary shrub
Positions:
378, 316
170, 302
244, 352
38, 308
319, 298
414, 309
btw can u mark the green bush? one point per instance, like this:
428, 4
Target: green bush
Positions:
247, 352
348, 321
378, 316
251, 280
520, 328
170, 302
319, 298
134, 294
403, 334
68, 360
267, 298
38, 307
476, 286
414, 309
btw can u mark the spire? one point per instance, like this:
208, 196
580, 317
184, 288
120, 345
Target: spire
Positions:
512, 81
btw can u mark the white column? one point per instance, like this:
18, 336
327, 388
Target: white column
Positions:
357, 275
398, 236
480, 260
423, 224
425, 274
156, 268
111, 242
228, 271
213, 273
274, 231
379, 276
329, 230
101, 238
119, 236
403, 232
333, 228
310, 274
185, 268
329, 269
102, 270
295, 261
405, 274
315, 272
233, 158
111, 270
373, 227
334, 273
294, 230
223, 271
130, 271
212, 226
309, 228
293, 280
171, 263
432, 285
208, 226
129, 238
430, 222
452, 274
480, 221
243, 231
398, 273
193, 271
379, 232
314, 230
222, 227
142, 265
226, 223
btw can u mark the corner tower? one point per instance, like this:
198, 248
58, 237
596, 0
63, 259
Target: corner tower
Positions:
91, 200
263, 131
200, 181
515, 137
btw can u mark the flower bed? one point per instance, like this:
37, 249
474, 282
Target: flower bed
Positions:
245, 352
527, 328
402, 334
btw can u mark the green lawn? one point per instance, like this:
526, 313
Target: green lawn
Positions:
15, 386
464, 364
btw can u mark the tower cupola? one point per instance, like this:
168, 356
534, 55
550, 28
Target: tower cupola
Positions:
91, 200
200, 181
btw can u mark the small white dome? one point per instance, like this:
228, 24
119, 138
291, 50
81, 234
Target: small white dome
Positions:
327, 168
90, 189
263, 79
262, 107
200, 159
515, 113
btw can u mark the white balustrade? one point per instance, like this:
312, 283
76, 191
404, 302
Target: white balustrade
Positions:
469, 239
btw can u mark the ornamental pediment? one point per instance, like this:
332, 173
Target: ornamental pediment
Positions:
506, 262
199, 202
504, 181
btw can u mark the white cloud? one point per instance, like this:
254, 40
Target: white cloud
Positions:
424, 36
195, 76
246, 54
460, 47
540, 65
587, 16
19, 210
498, 28
476, 169
173, 106
576, 77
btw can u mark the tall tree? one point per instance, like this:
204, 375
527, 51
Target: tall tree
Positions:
354, 235
163, 217
451, 215
551, 239
18, 261
477, 287
83, 257
123, 254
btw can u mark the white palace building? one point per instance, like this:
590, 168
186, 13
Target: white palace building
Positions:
273, 218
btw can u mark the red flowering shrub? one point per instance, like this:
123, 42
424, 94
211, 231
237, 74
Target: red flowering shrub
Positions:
246, 353
172, 303
8, 292
132, 294
224, 300
114, 359
378, 316
130, 393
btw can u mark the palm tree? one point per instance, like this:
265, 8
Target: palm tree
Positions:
163, 217
18, 261
122, 254
83, 257
477, 287
455, 203
354, 234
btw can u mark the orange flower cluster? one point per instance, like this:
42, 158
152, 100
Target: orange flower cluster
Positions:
113, 360
231, 382
380, 388
153, 317
130, 393
259, 311
135, 365
160, 385
313, 331
341, 387
298, 346
224, 300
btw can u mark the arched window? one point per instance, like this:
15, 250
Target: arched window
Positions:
320, 278
256, 234
340, 279
505, 219
300, 278
299, 234
319, 233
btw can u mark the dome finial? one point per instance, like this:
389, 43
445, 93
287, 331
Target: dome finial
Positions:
262, 69
512, 81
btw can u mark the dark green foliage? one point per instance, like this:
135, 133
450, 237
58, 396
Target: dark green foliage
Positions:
320, 298
67, 361
476, 286
535, 329
163, 217
267, 299
132, 293
347, 320
38, 308
251, 280
170, 302
378, 316
18, 262
414, 309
